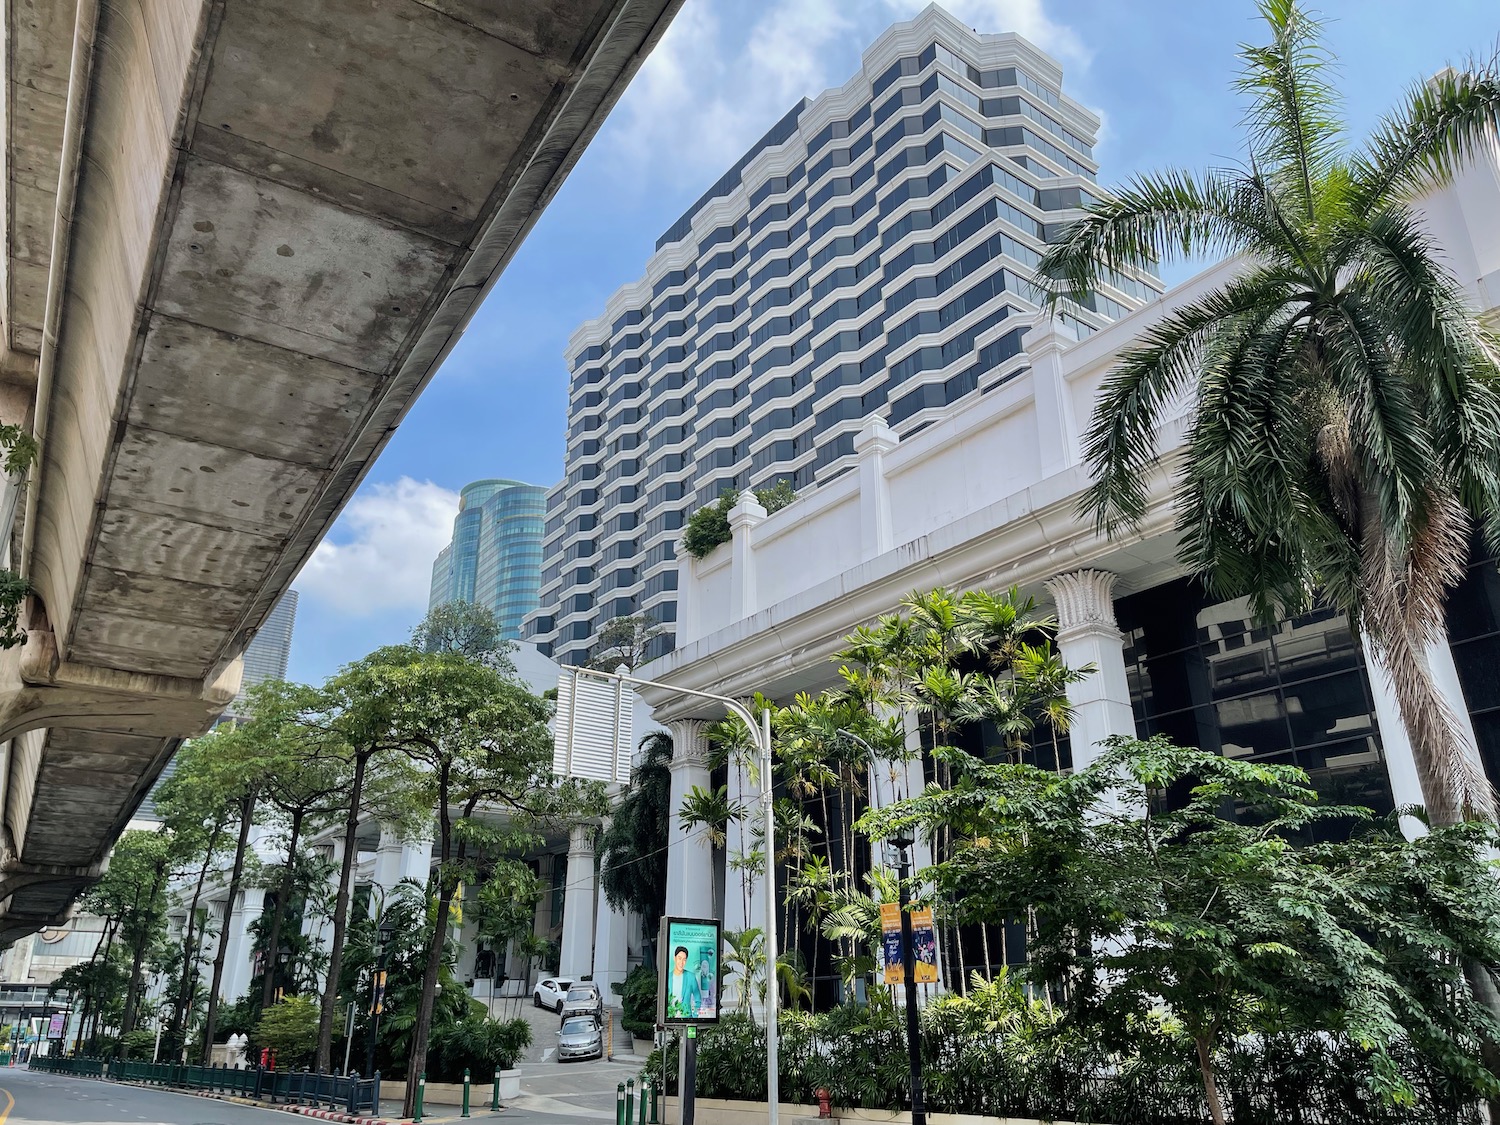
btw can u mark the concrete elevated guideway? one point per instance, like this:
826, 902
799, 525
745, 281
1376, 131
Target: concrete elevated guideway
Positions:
240, 236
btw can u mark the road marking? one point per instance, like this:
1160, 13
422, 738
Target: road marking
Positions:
10, 1104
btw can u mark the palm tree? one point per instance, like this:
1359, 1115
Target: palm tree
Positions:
1348, 403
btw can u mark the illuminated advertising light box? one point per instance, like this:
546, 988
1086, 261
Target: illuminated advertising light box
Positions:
688, 972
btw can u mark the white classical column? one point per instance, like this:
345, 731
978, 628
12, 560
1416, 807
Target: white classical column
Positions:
388, 858
1057, 429
1400, 762
743, 517
1087, 634
237, 966
578, 904
416, 860
690, 877
611, 948
871, 444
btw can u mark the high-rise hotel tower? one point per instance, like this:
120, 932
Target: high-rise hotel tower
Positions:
871, 254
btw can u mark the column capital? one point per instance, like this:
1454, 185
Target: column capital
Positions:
689, 743
1085, 601
581, 840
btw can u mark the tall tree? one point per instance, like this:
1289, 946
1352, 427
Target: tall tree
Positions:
237, 766
1347, 399
353, 712
133, 892
624, 640
195, 809
467, 628
633, 849
477, 739
305, 773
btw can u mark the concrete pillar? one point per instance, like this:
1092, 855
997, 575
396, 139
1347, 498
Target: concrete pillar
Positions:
611, 949
238, 957
690, 877
578, 904
871, 444
1057, 429
687, 594
1400, 761
1087, 634
743, 517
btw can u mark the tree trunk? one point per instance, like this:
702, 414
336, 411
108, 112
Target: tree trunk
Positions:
247, 812
105, 936
340, 915
417, 1061
138, 958
178, 1031
283, 899
1210, 1085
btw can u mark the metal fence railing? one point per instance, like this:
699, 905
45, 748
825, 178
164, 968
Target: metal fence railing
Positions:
350, 1093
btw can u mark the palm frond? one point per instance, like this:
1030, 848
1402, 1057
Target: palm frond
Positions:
1444, 123
1120, 443
1153, 219
1293, 120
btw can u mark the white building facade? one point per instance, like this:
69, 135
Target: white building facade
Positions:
987, 496
872, 254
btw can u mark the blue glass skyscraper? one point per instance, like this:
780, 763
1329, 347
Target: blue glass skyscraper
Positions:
495, 556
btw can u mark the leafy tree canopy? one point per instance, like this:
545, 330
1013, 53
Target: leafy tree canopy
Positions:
1207, 908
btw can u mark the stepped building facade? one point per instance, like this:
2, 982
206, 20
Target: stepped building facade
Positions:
871, 255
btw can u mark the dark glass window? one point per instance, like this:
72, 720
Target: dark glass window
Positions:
1474, 633
1206, 674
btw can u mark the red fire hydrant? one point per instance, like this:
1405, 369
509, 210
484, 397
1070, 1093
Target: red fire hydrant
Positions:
825, 1101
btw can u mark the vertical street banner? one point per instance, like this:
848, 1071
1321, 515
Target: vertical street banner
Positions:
924, 944
55, 1025
890, 942
688, 952
924, 941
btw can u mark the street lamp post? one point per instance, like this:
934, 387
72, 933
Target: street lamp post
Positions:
760, 734
385, 931
903, 844
283, 959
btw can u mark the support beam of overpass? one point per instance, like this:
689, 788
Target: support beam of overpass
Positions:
261, 226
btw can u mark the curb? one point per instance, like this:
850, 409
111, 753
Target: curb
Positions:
305, 1111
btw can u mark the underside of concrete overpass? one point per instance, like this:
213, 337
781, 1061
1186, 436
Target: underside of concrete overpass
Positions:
240, 237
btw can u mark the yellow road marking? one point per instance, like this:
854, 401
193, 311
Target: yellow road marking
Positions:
10, 1104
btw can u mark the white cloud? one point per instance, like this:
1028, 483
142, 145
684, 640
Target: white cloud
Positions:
720, 77
390, 534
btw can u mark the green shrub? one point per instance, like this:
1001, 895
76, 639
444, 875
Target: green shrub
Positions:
999, 1053
708, 527
478, 1043
290, 1029
138, 1044
638, 1002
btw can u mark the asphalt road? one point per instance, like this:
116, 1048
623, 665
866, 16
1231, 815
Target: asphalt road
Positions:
44, 1099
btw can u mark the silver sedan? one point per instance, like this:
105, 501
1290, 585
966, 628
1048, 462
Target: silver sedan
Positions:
580, 1037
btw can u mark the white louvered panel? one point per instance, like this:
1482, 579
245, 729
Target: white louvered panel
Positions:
593, 735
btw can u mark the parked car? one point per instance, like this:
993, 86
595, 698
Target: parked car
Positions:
551, 992
584, 1000
579, 1037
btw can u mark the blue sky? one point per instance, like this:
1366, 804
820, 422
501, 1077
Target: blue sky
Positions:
1157, 71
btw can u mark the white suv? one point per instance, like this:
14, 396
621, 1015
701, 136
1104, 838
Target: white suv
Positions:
551, 992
